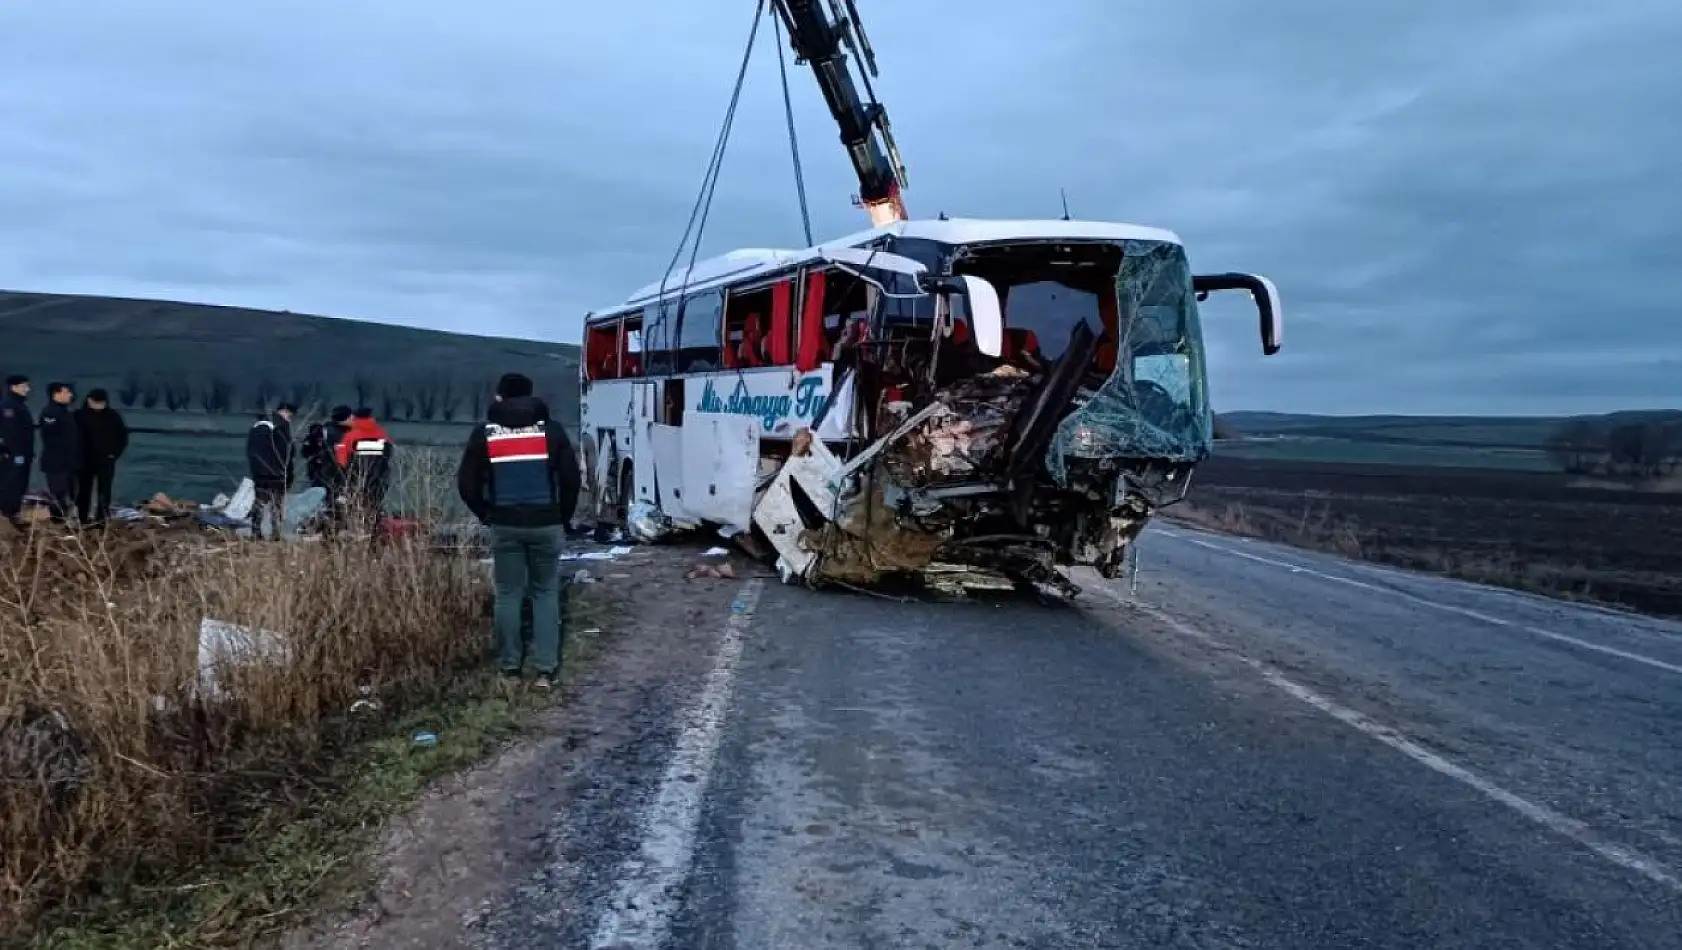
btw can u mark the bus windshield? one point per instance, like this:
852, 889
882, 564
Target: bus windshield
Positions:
1136, 296
1155, 405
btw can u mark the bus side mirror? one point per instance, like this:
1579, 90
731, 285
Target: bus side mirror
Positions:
986, 316
1262, 293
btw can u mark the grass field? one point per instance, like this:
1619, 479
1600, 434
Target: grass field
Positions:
1341, 451
1546, 532
1517, 444
199, 464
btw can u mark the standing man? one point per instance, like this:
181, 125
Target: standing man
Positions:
268, 455
364, 456
17, 445
321, 444
104, 440
61, 450
519, 476
321, 454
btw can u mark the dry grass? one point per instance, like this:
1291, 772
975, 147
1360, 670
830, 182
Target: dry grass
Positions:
120, 777
1320, 530
1315, 528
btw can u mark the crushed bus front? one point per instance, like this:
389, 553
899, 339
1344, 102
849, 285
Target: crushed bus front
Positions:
995, 471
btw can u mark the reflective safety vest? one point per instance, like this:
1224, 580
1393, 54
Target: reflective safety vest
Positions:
519, 464
368, 463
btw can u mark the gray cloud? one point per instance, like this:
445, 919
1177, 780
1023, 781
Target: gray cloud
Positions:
1468, 207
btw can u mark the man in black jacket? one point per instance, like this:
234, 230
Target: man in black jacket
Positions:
268, 456
104, 440
321, 443
61, 450
519, 475
17, 445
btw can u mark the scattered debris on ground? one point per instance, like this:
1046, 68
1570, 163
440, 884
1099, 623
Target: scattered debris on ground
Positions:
704, 570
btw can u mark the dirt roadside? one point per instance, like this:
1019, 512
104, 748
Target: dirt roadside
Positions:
443, 874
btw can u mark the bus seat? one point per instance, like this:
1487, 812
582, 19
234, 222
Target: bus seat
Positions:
1105, 356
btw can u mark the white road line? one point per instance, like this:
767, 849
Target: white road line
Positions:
1554, 821
639, 914
1602, 648
1447, 608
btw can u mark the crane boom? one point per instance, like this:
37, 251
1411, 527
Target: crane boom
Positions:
818, 40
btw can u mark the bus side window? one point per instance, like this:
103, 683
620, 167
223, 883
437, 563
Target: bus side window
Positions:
847, 304
630, 346
601, 351
658, 337
698, 333
749, 317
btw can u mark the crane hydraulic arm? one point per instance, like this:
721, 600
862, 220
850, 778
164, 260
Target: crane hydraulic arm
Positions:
818, 39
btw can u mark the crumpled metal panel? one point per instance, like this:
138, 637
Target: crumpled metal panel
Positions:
964, 437
1155, 405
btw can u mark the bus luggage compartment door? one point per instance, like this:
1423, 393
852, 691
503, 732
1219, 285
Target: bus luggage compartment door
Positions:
720, 467
646, 407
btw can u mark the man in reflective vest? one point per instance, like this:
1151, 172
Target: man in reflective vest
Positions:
364, 456
519, 476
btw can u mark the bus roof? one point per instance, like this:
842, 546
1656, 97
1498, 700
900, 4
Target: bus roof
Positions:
749, 263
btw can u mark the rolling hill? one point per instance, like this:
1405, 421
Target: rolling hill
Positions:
159, 356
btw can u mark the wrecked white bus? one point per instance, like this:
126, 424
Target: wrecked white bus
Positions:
971, 403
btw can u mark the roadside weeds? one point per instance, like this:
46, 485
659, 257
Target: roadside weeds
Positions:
1321, 530
315, 860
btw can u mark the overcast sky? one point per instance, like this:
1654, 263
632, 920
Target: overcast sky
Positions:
1470, 206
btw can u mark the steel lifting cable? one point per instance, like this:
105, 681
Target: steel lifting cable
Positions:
793, 136
703, 200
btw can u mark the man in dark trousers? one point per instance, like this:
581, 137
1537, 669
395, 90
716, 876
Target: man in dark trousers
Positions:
364, 455
17, 445
61, 450
321, 442
268, 456
104, 440
519, 476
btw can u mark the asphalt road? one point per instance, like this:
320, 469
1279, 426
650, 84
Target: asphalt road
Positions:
1260, 747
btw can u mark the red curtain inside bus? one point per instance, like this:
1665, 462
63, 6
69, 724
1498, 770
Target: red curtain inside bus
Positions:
811, 324
782, 323
1110, 312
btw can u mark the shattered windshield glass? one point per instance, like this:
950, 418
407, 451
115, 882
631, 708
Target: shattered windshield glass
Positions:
1155, 404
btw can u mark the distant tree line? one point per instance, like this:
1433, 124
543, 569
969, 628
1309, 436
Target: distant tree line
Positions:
1646, 449
431, 400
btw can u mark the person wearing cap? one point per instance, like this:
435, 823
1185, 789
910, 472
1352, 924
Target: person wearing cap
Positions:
321, 443
61, 450
364, 459
104, 440
268, 457
17, 445
519, 476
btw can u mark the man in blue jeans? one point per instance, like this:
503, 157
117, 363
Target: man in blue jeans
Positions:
519, 475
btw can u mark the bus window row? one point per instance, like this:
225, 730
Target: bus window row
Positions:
745, 328
760, 326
